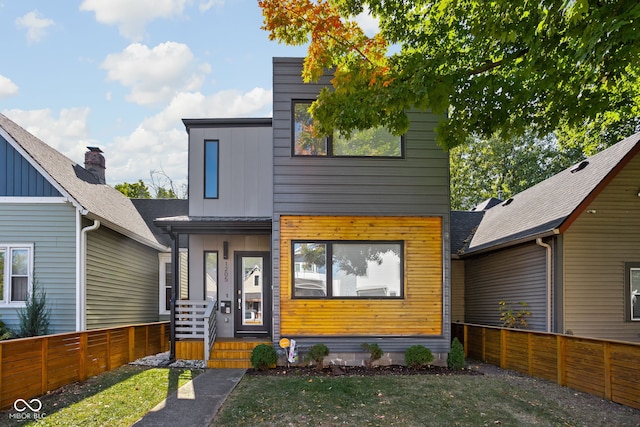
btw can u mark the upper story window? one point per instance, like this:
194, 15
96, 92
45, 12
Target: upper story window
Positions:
211, 169
376, 142
348, 269
15, 273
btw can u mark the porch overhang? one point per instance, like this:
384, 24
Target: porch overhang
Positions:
214, 225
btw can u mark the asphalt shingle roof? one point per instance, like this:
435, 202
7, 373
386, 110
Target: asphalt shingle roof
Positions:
544, 207
101, 201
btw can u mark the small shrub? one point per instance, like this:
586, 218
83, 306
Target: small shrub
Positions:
511, 318
5, 333
317, 353
417, 356
34, 316
263, 357
375, 353
455, 359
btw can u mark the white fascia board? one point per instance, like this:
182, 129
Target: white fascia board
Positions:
44, 173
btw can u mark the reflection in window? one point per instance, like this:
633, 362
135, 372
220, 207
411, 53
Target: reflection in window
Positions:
305, 144
358, 269
635, 293
211, 275
211, 163
375, 142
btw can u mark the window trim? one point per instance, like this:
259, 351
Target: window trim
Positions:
164, 259
329, 141
628, 313
207, 144
5, 298
329, 268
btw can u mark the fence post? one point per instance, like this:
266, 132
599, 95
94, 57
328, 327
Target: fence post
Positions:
108, 364
560, 360
162, 343
84, 351
1, 346
132, 343
44, 377
607, 370
503, 348
465, 337
530, 353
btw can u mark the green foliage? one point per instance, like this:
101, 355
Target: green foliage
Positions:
34, 316
163, 193
5, 333
317, 353
137, 190
374, 350
511, 318
455, 359
417, 356
494, 167
263, 356
488, 67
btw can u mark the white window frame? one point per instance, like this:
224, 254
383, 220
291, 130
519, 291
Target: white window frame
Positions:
164, 259
8, 249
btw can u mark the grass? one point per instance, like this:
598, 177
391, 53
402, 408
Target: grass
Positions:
116, 398
427, 400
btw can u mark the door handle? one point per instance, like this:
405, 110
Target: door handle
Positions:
239, 303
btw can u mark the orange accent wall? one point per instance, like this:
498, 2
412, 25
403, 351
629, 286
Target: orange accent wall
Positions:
419, 313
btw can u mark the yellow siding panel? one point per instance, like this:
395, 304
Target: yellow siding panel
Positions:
418, 313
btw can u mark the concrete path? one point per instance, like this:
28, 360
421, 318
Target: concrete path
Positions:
195, 403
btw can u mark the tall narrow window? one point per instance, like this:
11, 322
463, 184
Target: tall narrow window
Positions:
211, 169
211, 275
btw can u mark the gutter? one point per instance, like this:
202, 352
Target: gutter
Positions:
547, 246
81, 319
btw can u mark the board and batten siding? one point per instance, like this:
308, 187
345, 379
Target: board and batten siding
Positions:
51, 229
416, 185
122, 280
18, 178
418, 314
596, 246
245, 171
517, 274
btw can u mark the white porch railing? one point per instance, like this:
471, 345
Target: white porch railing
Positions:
196, 320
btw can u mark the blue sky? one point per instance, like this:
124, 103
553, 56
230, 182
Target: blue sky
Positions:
121, 74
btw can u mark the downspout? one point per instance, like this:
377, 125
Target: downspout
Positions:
175, 257
549, 307
82, 295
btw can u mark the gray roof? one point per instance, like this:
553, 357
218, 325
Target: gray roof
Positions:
97, 201
548, 206
150, 209
463, 226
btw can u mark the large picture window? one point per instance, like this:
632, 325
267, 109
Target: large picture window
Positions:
211, 169
15, 273
376, 142
346, 269
632, 291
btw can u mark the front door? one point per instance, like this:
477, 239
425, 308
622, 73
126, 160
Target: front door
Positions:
253, 294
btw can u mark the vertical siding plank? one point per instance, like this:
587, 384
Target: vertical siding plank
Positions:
607, 370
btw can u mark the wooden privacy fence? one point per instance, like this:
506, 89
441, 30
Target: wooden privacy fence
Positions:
608, 369
30, 367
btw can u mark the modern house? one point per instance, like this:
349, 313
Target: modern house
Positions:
319, 240
569, 247
81, 241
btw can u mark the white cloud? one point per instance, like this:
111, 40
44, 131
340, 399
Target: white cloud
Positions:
368, 23
208, 4
7, 87
67, 133
131, 17
36, 25
156, 75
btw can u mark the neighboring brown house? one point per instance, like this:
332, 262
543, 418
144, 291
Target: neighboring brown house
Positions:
569, 247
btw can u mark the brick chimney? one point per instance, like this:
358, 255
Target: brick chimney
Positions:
94, 163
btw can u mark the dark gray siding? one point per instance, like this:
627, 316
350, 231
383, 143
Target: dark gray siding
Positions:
517, 274
51, 229
19, 178
122, 280
417, 185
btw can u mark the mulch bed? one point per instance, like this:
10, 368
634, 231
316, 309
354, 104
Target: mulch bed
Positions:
334, 371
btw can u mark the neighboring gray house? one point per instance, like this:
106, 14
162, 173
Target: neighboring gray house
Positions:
568, 246
82, 241
316, 239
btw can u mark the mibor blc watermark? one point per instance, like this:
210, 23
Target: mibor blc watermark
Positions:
27, 410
